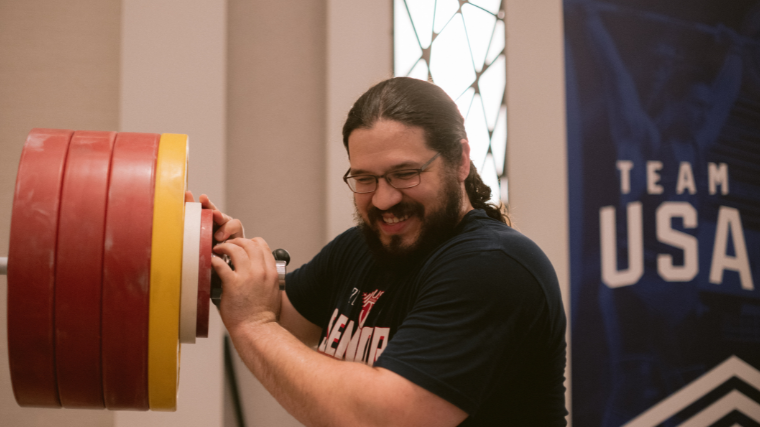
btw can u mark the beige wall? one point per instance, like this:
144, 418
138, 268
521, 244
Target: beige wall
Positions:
275, 149
59, 68
360, 54
276, 146
536, 147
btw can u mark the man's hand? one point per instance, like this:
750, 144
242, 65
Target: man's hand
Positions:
229, 228
251, 294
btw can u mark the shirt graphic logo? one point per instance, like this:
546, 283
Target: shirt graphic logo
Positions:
369, 301
344, 339
354, 294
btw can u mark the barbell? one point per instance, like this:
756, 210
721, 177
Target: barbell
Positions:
109, 270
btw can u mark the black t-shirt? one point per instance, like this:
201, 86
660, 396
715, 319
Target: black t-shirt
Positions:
479, 322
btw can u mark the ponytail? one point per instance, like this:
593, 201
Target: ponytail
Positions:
479, 194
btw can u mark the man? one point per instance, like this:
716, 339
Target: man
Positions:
451, 317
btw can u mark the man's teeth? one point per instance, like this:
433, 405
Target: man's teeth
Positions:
393, 219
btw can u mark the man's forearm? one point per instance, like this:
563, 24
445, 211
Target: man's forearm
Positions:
307, 384
321, 391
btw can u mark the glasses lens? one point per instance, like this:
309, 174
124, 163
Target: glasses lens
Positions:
405, 178
362, 183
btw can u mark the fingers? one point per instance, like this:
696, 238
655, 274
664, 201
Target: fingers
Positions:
222, 269
259, 252
229, 228
220, 217
251, 258
189, 197
255, 251
233, 249
206, 202
264, 247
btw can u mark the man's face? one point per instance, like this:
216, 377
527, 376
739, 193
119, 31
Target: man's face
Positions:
400, 223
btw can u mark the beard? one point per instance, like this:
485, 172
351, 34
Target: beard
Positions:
437, 227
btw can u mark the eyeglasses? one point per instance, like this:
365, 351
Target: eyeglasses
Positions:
399, 179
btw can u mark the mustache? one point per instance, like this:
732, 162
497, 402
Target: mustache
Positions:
399, 210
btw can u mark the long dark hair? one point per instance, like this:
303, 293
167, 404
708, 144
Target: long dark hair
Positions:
418, 103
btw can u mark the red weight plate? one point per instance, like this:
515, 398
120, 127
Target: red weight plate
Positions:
204, 273
126, 270
31, 267
79, 269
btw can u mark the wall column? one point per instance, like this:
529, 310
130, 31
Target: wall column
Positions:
537, 140
173, 80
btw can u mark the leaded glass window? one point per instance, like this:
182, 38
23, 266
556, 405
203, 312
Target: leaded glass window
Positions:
459, 45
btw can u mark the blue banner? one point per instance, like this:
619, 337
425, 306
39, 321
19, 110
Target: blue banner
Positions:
663, 101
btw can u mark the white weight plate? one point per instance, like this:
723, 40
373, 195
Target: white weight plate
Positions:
188, 307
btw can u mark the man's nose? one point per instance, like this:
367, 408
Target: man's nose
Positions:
385, 196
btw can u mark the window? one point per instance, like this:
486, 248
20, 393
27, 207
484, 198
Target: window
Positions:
459, 45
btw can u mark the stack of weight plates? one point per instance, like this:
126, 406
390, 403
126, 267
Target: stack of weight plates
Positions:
108, 270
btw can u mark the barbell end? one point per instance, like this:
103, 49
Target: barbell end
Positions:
4, 265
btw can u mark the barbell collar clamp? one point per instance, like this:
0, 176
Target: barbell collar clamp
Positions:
281, 261
281, 272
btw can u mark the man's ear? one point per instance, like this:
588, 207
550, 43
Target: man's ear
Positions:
464, 164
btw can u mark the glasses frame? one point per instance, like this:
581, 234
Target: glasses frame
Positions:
387, 179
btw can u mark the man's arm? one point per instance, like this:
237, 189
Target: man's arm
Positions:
316, 389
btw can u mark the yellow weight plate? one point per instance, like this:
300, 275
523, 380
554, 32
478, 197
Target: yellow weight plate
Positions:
166, 272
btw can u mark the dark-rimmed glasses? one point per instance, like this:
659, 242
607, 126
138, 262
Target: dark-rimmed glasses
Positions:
399, 179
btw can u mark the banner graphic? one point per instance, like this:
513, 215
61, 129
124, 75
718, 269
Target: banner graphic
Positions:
663, 105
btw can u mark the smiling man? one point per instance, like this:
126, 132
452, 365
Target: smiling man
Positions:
400, 218
453, 317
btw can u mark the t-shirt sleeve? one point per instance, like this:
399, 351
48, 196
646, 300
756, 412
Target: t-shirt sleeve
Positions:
471, 311
302, 287
310, 288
